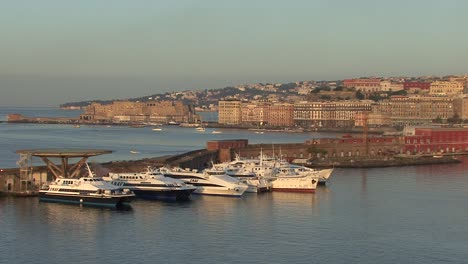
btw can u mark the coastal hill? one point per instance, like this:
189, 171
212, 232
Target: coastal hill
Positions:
203, 98
287, 92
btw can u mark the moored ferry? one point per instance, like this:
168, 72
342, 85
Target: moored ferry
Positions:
86, 191
152, 185
256, 184
208, 182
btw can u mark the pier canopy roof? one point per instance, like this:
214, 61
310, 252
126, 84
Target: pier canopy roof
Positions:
63, 152
65, 170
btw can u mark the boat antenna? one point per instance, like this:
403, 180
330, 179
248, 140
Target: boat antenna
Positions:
261, 157
273, 150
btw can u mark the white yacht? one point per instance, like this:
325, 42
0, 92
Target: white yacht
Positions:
294, 183
280, 174
322, 175
86, 191
256, 184
200, 129
152, 185
209, 182
282, 167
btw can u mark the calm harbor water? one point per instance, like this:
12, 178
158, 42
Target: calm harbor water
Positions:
121, 139
415, 214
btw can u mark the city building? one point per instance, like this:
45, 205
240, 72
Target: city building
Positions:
254, 113
437, 140
280, 115
364, 84
419, 110
309, 114
388, 86
126, 111
410, 85
229, 112
329, 114
448, 88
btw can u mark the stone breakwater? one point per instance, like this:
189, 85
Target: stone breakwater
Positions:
380, 163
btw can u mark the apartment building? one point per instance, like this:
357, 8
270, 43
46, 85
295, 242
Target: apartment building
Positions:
418, 110
448, 88
254, 113
309, 114
229, 112
329, 114
280, 115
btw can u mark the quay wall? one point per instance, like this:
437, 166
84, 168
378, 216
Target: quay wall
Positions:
322, 150
20, 183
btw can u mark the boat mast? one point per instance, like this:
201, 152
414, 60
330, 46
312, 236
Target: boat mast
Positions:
89, 170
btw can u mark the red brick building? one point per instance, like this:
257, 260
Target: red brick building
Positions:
417, 85
226, 144
280, 115
437, 140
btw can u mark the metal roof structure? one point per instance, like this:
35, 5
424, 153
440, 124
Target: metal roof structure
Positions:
64, 154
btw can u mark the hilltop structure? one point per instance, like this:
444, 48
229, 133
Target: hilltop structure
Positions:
133, 112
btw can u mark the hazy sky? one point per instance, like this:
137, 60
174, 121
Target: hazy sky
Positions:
57, 51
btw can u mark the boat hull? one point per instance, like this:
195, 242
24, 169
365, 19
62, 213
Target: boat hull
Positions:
300, 190
294, 184
257, 189
238, 192
164, 195
105, 201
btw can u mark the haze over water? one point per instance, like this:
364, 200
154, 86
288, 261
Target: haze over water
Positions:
415, 214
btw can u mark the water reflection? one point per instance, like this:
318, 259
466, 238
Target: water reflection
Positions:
394, 214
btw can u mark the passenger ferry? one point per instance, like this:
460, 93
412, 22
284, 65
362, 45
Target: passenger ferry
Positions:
152, 185
209, 182
86, 191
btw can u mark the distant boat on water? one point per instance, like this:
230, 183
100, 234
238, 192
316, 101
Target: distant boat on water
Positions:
216, 132
138, 125
157, 129
200, 129
134, 152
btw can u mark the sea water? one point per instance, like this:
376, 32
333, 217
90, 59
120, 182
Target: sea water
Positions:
415, 214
